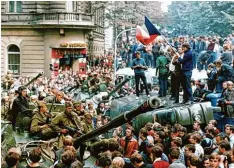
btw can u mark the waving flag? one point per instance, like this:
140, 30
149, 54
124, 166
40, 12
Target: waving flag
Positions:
147, 36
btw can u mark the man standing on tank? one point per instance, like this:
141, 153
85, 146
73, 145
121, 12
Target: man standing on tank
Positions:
139, 66
187, 67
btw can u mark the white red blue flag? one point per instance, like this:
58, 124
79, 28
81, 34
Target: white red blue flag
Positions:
146, 36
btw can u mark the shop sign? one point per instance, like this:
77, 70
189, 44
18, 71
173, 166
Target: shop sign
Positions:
73, 45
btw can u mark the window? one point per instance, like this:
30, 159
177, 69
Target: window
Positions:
71, 6
15, 6
14, 59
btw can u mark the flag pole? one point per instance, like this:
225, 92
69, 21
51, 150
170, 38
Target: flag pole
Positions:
170, 45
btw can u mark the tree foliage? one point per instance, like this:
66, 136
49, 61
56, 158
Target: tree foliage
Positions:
131, 13
201, 17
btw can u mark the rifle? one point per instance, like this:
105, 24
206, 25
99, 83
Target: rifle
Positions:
48, 117
73, 130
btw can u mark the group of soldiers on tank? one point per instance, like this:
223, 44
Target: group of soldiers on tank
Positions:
78, 118
93, 83
68, 122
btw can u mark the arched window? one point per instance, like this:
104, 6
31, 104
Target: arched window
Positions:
14, 59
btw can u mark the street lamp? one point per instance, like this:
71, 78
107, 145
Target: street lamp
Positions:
115, 62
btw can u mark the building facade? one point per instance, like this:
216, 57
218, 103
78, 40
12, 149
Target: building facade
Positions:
41, 35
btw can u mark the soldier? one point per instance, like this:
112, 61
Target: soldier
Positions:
33, 102
91, 109
8, 80
58, 98
40, 123
20, 107
67, 121
78, 109
108, 80
85, 84
87, 125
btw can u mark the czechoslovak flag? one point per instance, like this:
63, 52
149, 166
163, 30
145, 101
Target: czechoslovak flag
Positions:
147, 36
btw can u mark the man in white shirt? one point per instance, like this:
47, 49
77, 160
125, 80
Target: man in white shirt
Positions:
229, 132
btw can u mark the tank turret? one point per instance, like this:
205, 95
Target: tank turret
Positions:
104, 96
120, 85
121, 119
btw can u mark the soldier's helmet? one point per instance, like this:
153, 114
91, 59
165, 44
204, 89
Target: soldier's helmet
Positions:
21, 88
76, 104
41, 104
103, 88
87, 114
68, 104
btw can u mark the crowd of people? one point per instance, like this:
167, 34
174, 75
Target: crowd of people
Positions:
155, 145
214, 45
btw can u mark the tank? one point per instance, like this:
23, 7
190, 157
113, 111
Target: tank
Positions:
121, 119
168, 113
105, 96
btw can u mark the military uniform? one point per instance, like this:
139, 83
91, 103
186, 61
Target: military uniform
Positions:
85, 86
38, 120
66, 121
7, 81
87, 127
51, 99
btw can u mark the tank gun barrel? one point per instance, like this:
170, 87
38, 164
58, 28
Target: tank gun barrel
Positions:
33, 79
117, 88
123, 118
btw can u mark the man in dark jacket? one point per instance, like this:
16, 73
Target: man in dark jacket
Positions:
187, 67
225, 73
176, 76
226, 56
20, 106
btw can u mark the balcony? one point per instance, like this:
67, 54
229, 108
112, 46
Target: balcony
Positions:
47, 19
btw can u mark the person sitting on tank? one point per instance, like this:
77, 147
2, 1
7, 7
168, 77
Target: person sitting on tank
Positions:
35, 157
212, 74
20, 108
228, 99
225, 73
79, 109
200, 92
40, 123
67, 122
58, 98
218, 97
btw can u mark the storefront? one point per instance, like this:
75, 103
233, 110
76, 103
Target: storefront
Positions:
68, 56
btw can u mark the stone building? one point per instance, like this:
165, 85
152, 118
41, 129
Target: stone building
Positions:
37, 36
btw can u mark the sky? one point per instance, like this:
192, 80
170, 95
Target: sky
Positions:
164, 5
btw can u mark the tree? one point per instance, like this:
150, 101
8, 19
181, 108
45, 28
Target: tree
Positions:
201, 18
